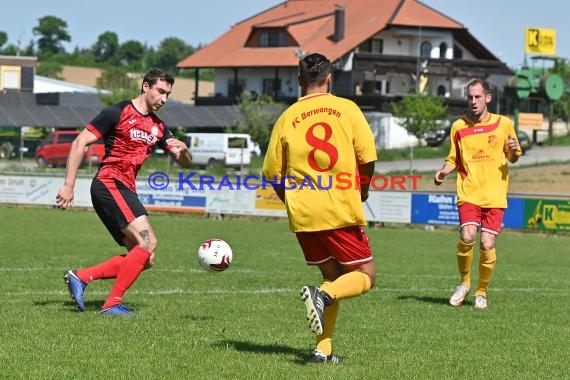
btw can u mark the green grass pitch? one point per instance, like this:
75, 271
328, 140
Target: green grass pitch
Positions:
248, 322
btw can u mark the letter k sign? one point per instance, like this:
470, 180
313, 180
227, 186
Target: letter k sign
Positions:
533, 37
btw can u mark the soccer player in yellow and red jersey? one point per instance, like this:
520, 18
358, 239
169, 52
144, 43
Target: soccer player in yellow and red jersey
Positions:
313, 141
481, 144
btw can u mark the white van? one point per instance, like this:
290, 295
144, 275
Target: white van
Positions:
220, 149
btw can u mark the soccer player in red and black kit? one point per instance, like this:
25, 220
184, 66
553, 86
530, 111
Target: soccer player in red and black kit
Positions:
131, 131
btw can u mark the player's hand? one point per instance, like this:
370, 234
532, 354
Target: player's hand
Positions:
176, 146
64, 198
512, 144
439, 177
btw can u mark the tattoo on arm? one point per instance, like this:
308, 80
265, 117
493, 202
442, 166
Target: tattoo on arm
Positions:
146, 239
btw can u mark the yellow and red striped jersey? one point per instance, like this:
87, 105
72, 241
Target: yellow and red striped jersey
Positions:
479, 154
313, 141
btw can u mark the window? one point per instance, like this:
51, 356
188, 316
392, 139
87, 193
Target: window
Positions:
377, 46
27, 79
457, 52
273, 38
442, 50
441, 90
237, 142
271, 87
11, 79
373, 45
232, 90
425, 49
67, 137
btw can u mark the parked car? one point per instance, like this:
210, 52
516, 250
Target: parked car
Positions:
221, 149
437, 137
55, 147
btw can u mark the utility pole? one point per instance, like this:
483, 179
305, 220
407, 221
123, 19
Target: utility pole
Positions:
418, 61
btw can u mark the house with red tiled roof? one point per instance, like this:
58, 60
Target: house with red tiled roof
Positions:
381, 49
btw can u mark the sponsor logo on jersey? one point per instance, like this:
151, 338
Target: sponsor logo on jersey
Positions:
148, 138
480, 155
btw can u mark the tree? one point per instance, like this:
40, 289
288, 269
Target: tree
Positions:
30, 50
106, 47
10, 49
52, 32
114, 77
259, 113
50, 69
131, 54
170, 51
120, 85
419, 113
3, 39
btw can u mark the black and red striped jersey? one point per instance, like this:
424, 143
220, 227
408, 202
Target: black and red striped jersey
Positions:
130, 137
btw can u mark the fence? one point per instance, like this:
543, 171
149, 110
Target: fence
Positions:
524, 211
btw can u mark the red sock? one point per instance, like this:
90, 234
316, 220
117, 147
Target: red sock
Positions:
129, 271
107, 269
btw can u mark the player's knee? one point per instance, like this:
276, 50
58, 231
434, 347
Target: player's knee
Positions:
468, 234
371, 273
372, 277
487, 244
467, 238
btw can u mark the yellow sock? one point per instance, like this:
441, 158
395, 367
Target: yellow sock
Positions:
351, 284
464, 261
487, 261
324, 341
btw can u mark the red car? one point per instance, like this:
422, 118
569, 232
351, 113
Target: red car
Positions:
55, 147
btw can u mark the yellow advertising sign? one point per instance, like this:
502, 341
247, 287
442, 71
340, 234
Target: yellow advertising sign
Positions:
267, 199
540, 41
531, 120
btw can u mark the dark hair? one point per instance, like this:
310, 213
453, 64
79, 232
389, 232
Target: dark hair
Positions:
314, 69
484, 84
156, 74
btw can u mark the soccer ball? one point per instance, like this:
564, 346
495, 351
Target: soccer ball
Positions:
215, 255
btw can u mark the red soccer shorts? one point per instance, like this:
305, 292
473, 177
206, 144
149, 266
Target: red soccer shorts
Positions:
348, 246
489, 219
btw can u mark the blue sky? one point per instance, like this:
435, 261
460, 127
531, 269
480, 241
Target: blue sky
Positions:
498, 24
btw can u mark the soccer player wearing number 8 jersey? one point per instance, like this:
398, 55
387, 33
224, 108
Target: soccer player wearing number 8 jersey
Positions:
312, 142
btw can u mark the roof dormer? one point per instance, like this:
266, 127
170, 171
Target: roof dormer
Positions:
269, 37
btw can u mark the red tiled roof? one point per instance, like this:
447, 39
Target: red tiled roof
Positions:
414, 13
311, 24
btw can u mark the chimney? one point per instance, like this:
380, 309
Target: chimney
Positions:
338, 23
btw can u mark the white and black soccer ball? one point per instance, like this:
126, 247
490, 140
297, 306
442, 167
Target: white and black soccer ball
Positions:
215, 255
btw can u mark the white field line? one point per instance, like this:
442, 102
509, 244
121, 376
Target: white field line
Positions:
251, 271
381, 277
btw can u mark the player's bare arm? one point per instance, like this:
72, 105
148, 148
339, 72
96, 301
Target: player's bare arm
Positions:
365, 170
280, 191
180, 152
441, 174
65, 195
513, 146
